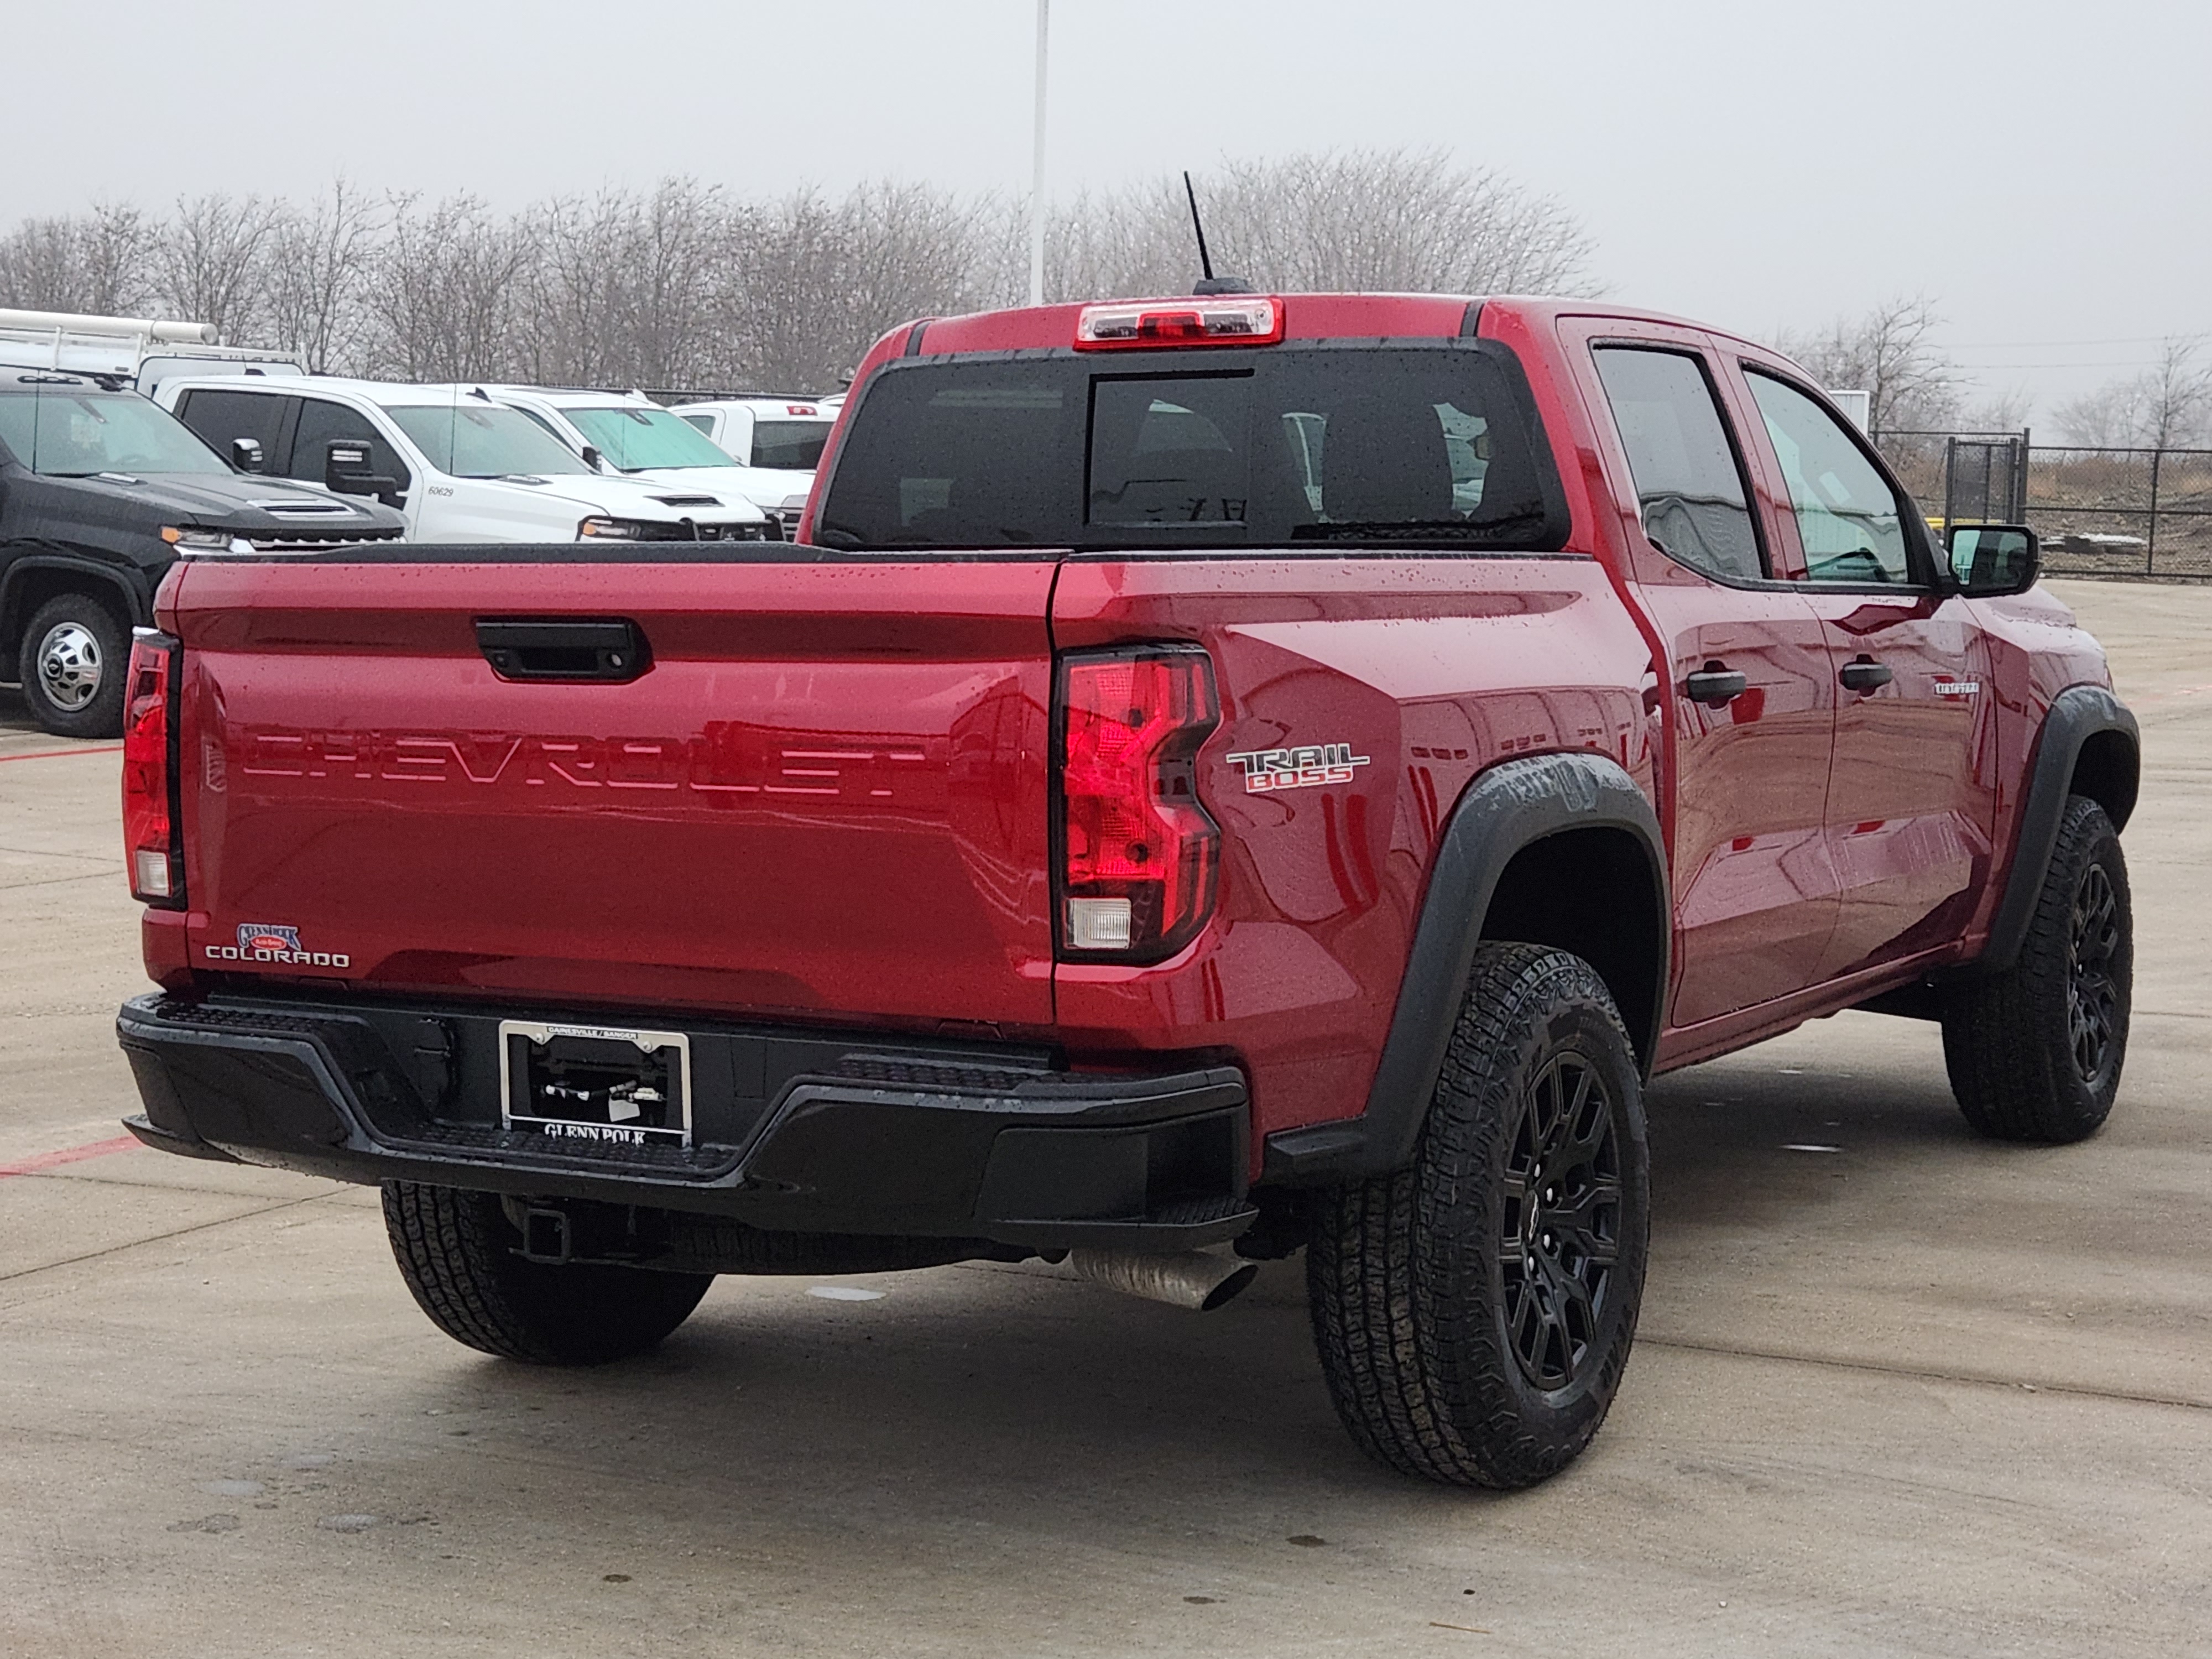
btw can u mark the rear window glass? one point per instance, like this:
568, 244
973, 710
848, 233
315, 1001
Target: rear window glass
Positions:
791, 446
1375, 446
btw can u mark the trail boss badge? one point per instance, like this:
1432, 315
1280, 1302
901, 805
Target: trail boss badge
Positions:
1267, 771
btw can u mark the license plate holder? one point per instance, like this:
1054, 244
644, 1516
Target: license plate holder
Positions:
595, 1085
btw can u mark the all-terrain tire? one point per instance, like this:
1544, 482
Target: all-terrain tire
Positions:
1464, 1338
457, 1252
74, 657
2034, 1052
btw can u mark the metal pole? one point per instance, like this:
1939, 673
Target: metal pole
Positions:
1036, 178
2150, 542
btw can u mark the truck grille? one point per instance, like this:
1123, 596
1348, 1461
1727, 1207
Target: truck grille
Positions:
314, 541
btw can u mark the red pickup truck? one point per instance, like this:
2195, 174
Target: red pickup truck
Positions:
1214, 777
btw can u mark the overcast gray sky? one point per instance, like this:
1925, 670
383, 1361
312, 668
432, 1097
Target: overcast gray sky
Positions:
2043, 167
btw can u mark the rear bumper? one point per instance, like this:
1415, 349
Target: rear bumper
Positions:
793, 1131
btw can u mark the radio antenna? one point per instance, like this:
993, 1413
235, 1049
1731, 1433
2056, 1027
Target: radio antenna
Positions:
1207, 282
1205, 259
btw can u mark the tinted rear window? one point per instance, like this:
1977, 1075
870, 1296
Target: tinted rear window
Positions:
1420, 445
792, 446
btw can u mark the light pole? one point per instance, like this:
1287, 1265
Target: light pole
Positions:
1036, 178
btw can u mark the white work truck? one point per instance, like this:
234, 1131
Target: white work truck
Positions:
627, 433
133, 354
459, 464
775, 438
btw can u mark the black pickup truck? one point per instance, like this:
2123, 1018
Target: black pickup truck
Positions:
100, 489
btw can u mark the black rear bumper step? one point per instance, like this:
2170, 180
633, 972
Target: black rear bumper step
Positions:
793, 1131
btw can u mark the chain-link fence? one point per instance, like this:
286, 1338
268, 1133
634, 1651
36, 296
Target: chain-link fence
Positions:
2099, 512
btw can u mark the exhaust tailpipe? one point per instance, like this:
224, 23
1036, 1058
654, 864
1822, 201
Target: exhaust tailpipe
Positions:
1196, 1279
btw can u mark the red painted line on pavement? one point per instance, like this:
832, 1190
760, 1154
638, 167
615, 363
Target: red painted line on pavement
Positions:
64, 754
68, 1154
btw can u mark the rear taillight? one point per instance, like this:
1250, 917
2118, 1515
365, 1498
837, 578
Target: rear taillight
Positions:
1242, 320
1138, 857
153, 834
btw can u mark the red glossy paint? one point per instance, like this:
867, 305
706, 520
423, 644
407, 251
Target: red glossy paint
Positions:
827, 795
830, 798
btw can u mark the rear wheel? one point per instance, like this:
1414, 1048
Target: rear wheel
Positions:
74, 659
2034, 1053
460, 1255
1473, 1312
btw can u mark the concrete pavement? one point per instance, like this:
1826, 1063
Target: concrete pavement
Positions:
1918, 1395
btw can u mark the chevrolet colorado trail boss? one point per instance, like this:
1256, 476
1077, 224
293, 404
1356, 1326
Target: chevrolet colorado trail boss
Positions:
1269, 772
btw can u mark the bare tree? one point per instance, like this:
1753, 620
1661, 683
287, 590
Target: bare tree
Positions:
318, 262
812, 283
41, 266
683, 285
1889, 353
2169, 406
2104, 419
1394, 221
2008, 410
2176, 403
208, 264
94, 262
676, 236
442, 289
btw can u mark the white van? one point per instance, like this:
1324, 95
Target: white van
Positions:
775, 437
628, 433
462, 466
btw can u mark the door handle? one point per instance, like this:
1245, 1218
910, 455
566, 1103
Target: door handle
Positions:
1714, 685
1865, 675
559, 648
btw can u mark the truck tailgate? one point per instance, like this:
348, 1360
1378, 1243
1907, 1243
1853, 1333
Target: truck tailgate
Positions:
827, 792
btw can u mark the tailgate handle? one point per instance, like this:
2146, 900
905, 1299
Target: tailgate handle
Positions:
561, 648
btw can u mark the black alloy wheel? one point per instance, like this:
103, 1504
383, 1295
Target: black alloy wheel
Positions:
1560, 1229
1474, 1311
2092, 996
2035, 1051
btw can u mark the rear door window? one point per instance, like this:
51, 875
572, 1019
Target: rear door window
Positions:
323, 422
1409, 445
1689, 480
222, 418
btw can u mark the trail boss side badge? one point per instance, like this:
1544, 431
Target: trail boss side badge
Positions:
1268, 770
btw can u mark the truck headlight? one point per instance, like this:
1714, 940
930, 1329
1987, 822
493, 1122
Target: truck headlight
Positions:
190, 539
631, 530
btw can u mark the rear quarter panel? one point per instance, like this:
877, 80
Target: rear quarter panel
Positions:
1431, 668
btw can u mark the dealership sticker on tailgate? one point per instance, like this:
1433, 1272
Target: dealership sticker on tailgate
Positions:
274, 943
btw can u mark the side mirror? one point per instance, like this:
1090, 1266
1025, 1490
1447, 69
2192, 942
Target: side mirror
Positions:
1992, 558
245, 454
345, 472
593, 459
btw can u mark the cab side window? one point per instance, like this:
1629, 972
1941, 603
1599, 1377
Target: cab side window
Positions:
321, 422
1689, 481
1851, 522
222, 416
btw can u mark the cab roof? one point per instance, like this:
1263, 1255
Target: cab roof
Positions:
1305, 317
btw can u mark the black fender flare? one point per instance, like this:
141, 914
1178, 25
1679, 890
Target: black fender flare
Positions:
126, 582
1507, 808
2077, 715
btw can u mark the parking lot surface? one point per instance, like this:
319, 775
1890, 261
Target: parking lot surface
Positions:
1897, 1391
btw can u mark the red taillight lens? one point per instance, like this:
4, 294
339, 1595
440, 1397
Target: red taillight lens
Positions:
152, 838
1242, 319
1139, 855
